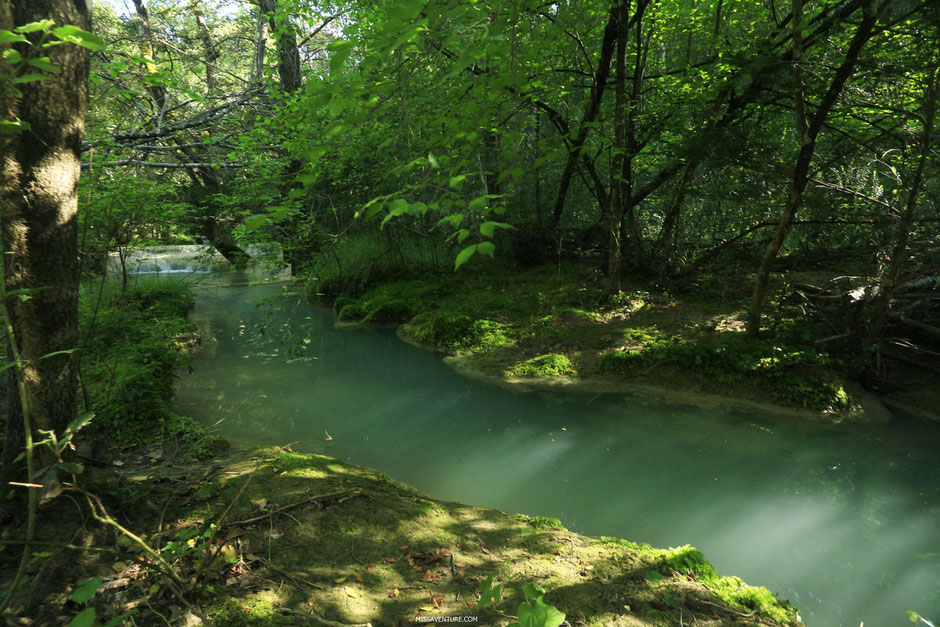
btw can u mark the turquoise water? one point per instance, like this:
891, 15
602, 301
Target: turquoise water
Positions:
842, 521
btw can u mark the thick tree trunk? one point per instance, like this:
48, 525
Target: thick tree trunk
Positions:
40, 170
809, 131
288, 69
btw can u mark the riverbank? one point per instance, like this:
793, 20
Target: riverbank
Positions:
291, 539
272, 537
545, 329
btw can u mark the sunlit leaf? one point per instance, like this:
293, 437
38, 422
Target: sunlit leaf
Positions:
12, 56
9, 37
9, 127
464, 256
79, 37
32, 27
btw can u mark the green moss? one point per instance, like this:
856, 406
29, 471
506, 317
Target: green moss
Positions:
792, 373
457, 332
752, 598
247, 613
291, 462
351, 311
543, 365
690, 561
541, 522
388, 311
198, 444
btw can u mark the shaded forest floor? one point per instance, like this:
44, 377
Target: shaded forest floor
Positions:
288, 539
552, 325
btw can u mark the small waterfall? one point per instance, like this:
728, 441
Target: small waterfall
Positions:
184, 259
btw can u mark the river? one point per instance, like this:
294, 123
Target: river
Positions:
840, 520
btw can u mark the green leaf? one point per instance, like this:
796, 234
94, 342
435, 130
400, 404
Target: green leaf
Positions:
462, 258
30, 78
12, 56
73, 469
65, 352
79, 37
453, 220
9, 37
32, 27
489, 593
532, 591
43, 64
119, 620
456, 180
486, 248
398, 206
255, 222
535, 613
83, 419
433, 161
85, 618
11, 127
86, 589
462, 234
340, 54
477, 204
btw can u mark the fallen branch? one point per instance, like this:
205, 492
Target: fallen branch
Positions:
341, 496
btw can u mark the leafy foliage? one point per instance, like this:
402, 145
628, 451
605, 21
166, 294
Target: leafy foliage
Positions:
131, 353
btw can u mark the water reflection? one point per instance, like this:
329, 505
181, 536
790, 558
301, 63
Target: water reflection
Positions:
840, 520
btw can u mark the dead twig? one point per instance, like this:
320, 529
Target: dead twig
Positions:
341, 497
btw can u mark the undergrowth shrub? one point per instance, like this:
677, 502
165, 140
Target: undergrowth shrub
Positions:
132, 344
360, 261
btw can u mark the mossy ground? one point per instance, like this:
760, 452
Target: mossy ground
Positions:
313, 539
549, 323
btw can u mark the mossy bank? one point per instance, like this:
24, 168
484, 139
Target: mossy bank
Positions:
531, 329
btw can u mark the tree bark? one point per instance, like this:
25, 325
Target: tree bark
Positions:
809, 132
38, 197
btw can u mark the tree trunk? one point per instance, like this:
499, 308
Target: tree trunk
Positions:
597, 94
288, 69
889, 278
808, 134
208, 46
617, 164
257, 67
40, 170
